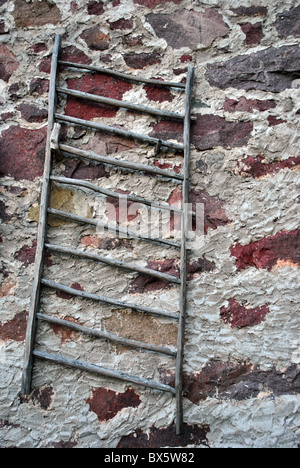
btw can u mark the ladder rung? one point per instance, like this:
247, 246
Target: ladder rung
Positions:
114, 229
120, 196
112, 262
139, 79
119, 132
86, 366
105, 335
106, 300
119, 163
121, 104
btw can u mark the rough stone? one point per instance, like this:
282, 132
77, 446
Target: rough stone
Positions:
8, 63
250, 11
35, 13
143, 60
95, 38
246, 72
254, 33
26, 255
195, 28
95, 84
229, 380
239, 316
32, 113
106, 404
166, 437
15, 329
39, 86
288, 23
95, 7
257, 167
248, 105
279, 250
80, 170
121, 24
28, 150
69, 297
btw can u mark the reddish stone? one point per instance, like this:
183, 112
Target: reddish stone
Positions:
40, 396
288, 23
140, 61
158, 94
188, 28
245, 71
239, 316
5, 217
75, 55
254, 33
35, 13
95, 38
102, 85
214, 211
273, 121
145, 283
32, 113
166, 437
7, 116
45, 65
95, 7
106, 243
39, 86
121, 24
39, 47
248, 105
80, 170
64, 332
3, 29
186, 58
15, 329
234, 381
26, 255
257, 168
250, 11
106, 404
154, 3
283, 248
68, 297
209, 131
179, 71
22, 152
65, 444
8, 63
120, 211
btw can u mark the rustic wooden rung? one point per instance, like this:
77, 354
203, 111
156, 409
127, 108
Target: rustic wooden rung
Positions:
105, 335
123, 76
109, 261
115, 229
120, 196
106, 300
85, 366
91, 156
120, 104
118, 132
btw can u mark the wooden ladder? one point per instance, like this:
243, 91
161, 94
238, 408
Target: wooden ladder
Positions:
54, 121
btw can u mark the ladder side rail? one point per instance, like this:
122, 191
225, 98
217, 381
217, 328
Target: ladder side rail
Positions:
183, 264
42, 229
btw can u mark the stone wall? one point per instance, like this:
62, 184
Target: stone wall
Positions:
241, 368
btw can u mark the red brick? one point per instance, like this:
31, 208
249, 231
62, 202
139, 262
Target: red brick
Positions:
22, 152
106, 404
279, 250
158, 94
95, 84
256, 167
239, 316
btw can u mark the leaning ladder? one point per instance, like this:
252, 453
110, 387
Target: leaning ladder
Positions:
52, 144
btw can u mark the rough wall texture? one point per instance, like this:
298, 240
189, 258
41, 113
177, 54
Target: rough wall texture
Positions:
241, 369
